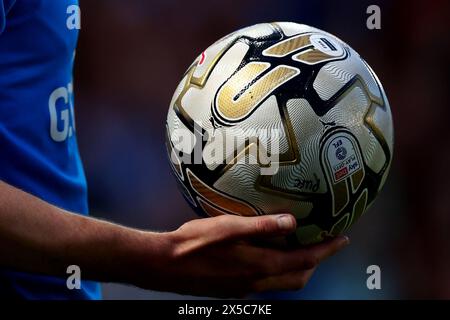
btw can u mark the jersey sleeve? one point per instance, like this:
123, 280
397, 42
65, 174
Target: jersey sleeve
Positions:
5, 6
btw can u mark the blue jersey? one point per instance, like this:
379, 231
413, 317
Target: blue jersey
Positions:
38, 146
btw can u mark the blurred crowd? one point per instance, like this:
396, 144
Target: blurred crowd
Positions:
131, 56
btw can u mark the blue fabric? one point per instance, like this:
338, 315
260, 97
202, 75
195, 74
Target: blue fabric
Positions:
38, 146
5, 6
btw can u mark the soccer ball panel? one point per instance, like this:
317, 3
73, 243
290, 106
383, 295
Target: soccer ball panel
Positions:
306, 175
197, 96
290, 28
242, 181
281, 117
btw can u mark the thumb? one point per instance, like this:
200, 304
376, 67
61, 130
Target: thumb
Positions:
235, 227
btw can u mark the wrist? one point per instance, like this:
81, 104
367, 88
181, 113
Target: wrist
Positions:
142, 257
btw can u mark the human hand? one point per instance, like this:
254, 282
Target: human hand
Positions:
213, 257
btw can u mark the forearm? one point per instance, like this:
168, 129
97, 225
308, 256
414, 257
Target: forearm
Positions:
38, 237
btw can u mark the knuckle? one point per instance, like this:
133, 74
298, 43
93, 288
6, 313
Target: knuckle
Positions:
221, 225
275, 264
266, 269
268, 264
222, 218
264, 225
313, 255
259, 269
249, 275
310, 261
226, 219
299, 283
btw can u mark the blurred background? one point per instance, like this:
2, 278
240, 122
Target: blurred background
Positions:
130, 58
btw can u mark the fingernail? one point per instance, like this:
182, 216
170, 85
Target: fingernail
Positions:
286, 222
345, 240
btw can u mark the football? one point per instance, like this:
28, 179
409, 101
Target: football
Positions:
281, 117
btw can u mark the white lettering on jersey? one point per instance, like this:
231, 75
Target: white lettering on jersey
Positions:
74, 19
66, 115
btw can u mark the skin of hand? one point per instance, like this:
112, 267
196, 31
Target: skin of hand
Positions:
213, 257
207, 257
